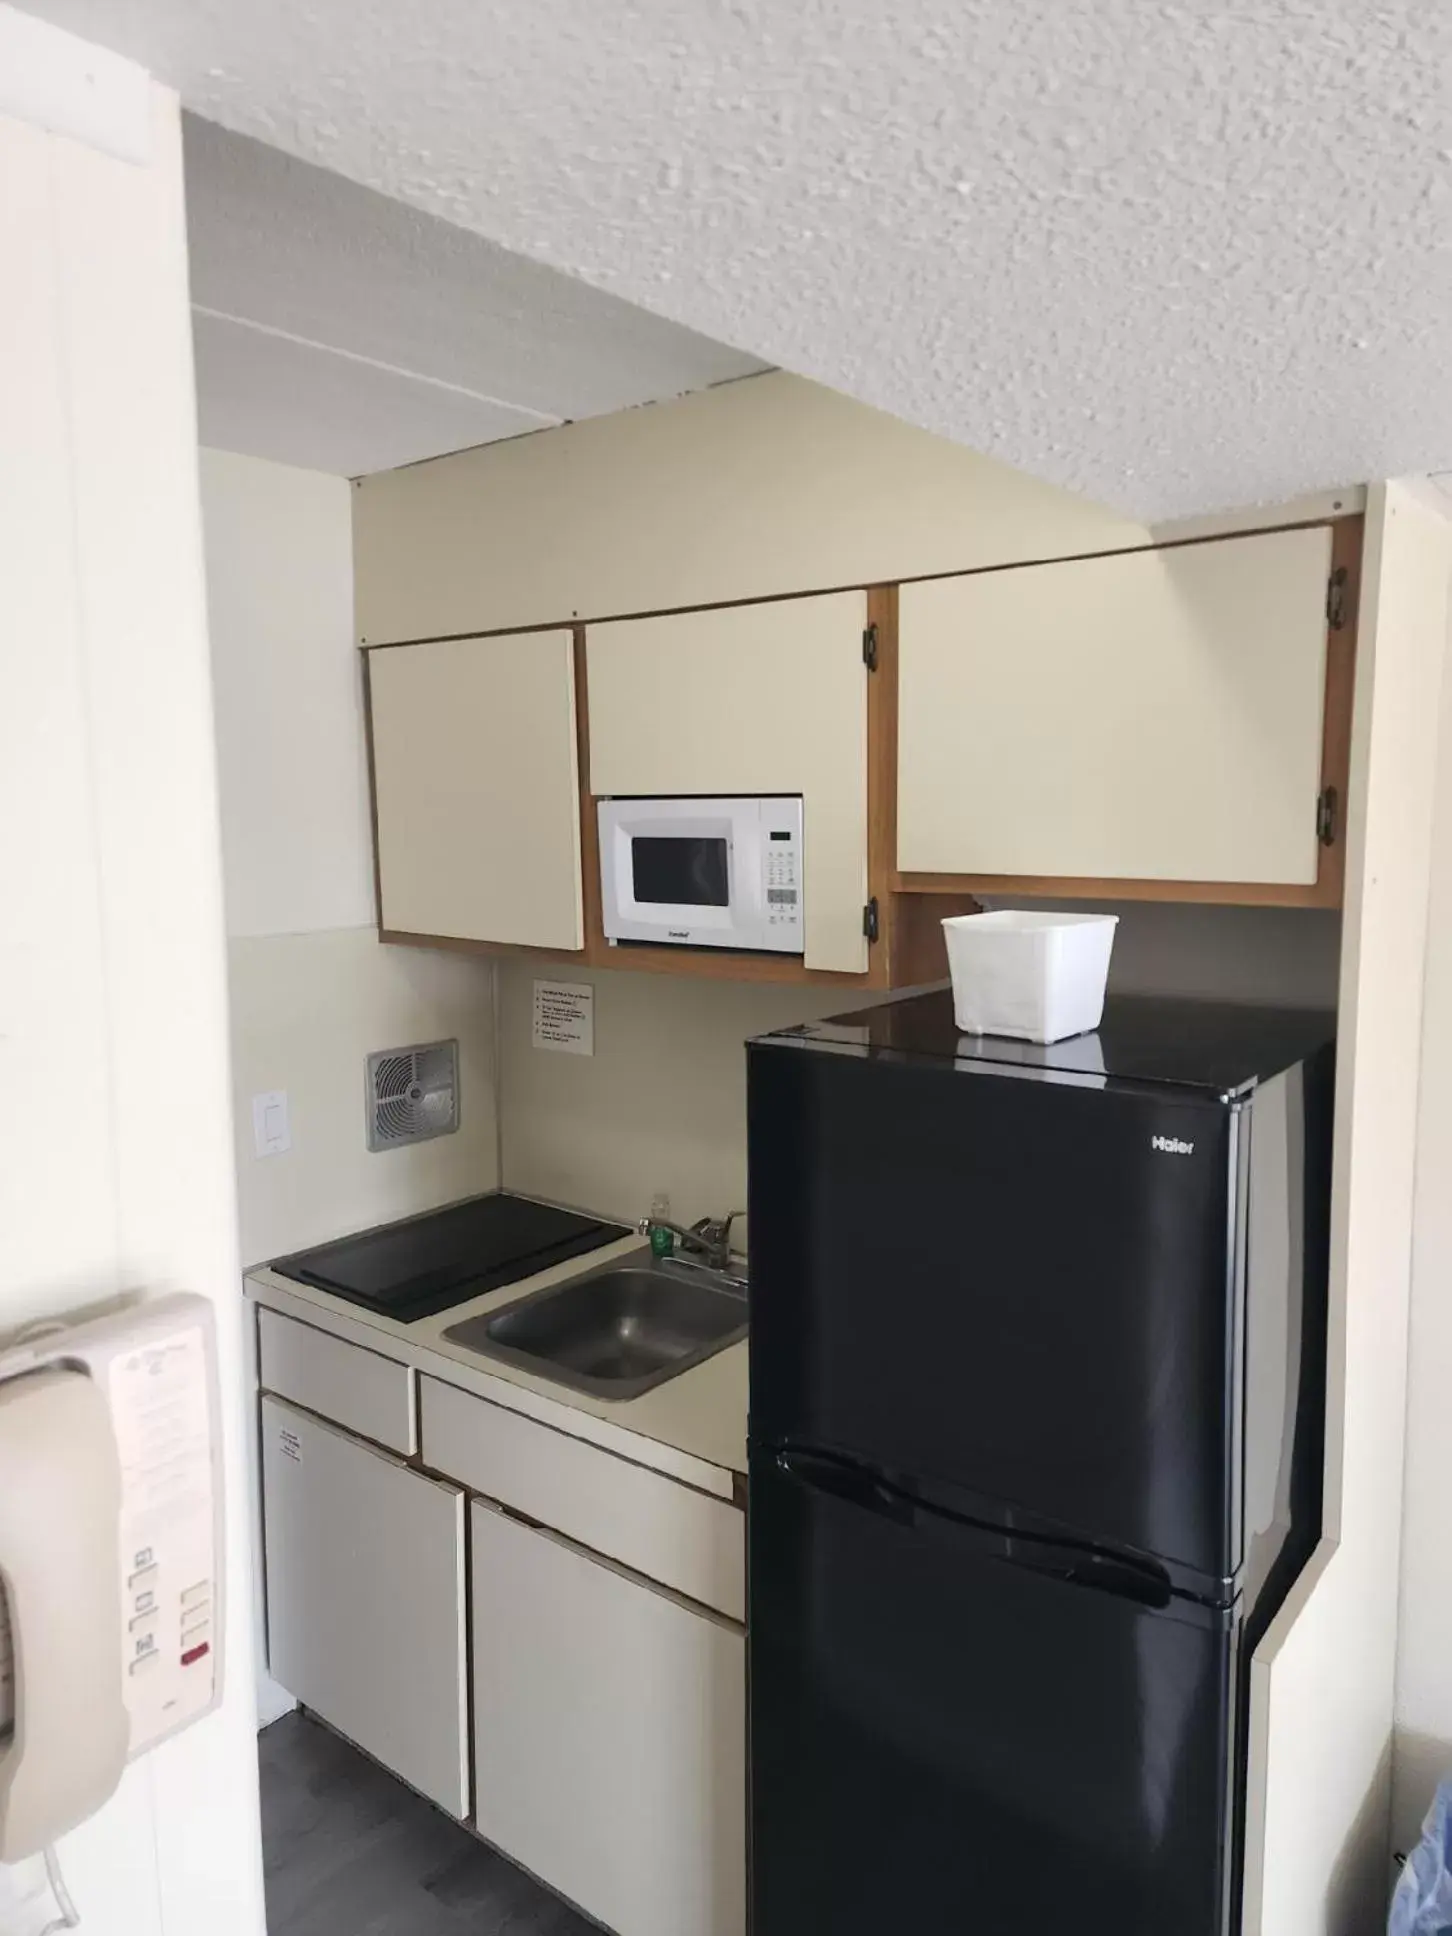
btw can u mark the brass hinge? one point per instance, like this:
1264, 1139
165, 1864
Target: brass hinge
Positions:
1326, 817
869, 919
1336, 599
869, 648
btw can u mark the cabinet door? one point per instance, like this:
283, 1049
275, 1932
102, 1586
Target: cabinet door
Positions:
754, 699
476, 789
609, 1735
365, 1598
1151, 716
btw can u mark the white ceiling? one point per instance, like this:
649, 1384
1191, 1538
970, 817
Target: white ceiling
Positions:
1172, 253
341, 330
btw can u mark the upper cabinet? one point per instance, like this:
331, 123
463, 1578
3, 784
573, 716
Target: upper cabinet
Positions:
1144, 722
476, 791
750, 699
1168, 723
1137, 720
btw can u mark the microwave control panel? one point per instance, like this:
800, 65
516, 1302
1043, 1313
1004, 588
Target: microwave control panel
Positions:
782, 865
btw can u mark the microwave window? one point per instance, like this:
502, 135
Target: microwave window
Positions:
673, 871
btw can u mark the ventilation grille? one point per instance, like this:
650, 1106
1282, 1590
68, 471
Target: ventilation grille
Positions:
412, 1094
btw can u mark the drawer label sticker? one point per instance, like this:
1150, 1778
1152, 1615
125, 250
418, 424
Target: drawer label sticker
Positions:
291, 1444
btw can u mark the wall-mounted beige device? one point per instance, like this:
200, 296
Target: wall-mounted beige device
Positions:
110, 1555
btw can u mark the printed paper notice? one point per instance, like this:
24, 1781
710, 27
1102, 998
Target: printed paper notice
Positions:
564, 1016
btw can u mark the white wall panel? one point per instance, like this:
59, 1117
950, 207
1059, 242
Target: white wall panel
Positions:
1322, 1683
111, 942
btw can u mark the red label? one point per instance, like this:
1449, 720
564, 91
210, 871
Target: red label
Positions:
196, 1653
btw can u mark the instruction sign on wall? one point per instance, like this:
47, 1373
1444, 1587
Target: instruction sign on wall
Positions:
564, 1016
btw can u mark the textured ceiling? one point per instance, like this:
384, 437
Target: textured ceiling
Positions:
1175, 256
342, 330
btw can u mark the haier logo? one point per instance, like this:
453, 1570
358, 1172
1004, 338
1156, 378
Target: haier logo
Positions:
1171, 1146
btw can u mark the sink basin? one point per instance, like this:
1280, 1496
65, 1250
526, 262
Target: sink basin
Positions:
615, 1332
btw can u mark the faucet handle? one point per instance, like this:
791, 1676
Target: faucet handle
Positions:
717, 1231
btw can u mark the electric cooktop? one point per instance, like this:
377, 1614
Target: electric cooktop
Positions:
425, 1264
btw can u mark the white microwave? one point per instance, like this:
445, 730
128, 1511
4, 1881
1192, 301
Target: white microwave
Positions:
697, 873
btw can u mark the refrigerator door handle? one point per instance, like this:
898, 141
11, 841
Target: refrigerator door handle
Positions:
854, 1484
1124, 1575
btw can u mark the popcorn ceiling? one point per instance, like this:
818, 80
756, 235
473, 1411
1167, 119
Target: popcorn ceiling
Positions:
1177, 257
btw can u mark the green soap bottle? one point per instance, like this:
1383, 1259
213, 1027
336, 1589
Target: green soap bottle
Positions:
662, 1241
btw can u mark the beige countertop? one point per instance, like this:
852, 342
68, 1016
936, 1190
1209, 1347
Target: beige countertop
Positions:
693, 1426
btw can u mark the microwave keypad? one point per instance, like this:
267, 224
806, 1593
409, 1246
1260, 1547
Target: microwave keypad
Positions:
781, 885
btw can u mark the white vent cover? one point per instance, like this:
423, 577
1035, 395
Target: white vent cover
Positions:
412, 1094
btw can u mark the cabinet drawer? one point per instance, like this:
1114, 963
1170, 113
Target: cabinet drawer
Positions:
370, 1395
654, 1525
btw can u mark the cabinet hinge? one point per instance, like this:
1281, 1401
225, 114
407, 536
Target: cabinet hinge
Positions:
1326, 817
869, 919
1336, 599
869, 648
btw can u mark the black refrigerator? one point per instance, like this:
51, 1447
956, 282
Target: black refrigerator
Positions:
1037, 1415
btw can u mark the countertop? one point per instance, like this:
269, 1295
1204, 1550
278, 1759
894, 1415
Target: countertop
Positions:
693, 1426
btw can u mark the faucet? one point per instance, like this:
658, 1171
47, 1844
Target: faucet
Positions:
708, 1240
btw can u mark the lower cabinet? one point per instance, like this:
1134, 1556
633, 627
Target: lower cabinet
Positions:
366, 1600
609, 1735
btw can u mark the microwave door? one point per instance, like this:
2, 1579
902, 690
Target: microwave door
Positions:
670, 878
672, 872
703, 873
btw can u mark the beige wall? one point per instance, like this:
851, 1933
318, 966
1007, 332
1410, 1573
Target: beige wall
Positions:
291, 759
767, 485
306, 1009
662, 1102
311, 991
115, 1151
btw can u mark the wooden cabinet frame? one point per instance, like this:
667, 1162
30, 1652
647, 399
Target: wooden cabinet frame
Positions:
910, 906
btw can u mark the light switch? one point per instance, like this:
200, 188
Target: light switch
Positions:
270, 1130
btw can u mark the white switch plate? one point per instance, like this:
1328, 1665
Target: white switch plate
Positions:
270, 1131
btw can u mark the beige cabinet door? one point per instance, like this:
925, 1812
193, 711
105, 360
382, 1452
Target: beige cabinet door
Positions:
365, 1598
1155, 715
609, 1735
749, 700
476, 789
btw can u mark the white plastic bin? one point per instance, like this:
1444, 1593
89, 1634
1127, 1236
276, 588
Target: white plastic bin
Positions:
1035, 976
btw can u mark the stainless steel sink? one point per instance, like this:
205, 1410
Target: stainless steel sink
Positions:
615, 1332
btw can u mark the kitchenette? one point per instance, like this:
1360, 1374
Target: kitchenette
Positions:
492, 1558
796, 1459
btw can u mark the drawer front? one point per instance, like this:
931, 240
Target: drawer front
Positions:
654, 1525
371, 1395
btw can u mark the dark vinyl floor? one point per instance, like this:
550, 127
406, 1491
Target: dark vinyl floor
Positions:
349, 1851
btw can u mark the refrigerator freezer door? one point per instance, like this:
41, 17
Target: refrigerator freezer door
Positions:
1004, 1285
944, 1741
